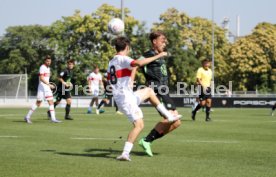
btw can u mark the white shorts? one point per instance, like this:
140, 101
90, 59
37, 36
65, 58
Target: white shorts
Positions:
95, 92
44, 92
128, 103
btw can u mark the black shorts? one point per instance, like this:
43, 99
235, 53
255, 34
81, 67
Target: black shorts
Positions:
165, 98
107, 95
59, 96
205, 94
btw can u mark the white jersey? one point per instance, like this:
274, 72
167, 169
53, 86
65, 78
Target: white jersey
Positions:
119, 76
44, 91
44, 71
119, 72
95, 80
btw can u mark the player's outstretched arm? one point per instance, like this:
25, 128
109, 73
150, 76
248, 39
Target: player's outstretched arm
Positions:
149, 60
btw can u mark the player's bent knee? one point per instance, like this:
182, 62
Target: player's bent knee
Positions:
69, 101
139, 124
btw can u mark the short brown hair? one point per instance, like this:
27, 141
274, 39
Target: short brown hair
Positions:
71, 61
121, 43
47, 57
155, 35
205, 61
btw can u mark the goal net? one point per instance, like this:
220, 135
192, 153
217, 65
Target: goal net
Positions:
14, 85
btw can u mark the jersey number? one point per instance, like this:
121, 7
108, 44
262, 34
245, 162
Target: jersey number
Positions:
113, 77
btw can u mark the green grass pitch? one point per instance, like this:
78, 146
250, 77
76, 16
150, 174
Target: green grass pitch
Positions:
237, 143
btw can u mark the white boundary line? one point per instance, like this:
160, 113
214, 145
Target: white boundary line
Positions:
105, 139
211, 141
7, 136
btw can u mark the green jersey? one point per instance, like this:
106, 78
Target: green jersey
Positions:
155, 71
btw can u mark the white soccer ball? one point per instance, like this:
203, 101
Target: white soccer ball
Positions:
116, 26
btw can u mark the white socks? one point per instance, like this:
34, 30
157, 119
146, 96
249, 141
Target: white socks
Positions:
127, 148
28, 116
195, 105
52, 112
161, 108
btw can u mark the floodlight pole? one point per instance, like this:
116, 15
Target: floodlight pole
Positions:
213, 47
122, 13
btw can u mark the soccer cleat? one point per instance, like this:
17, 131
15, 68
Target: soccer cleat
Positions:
56, 121
193, 115
27, 120
48, 114
272, 113
118, 112
68, 117
123, 158
208, 119
97, 111
101, 111
146, 146
89, 112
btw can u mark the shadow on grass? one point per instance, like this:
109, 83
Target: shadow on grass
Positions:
48, 150
99, 153
187, 120
19, 121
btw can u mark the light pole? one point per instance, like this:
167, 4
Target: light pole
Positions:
122, 13
213, 48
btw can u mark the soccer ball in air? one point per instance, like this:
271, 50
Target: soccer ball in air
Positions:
116, 26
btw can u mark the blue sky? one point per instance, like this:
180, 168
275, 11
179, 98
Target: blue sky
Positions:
45, 12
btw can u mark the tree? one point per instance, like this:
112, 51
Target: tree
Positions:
192, 38
23, 48
86, 38
265, 36
249, 64
252, 59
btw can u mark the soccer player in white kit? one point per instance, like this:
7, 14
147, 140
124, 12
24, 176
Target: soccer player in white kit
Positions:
121, 71
44, 91
94, 82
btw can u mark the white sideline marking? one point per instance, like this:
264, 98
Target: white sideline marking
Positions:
223, 120
8, 136
105, 139
210, 141
9, 115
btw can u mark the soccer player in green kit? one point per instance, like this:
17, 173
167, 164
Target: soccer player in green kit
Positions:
157, 76
65, 82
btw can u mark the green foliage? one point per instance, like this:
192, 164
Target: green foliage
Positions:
84, 38
252, 59
250, 62
191, 40
22, 48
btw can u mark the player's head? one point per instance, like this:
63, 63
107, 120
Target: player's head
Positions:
205, 63
122, 44
70, 63
96, 69
47, 60
158, 41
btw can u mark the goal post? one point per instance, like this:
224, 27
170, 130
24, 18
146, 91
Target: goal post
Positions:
14, 85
